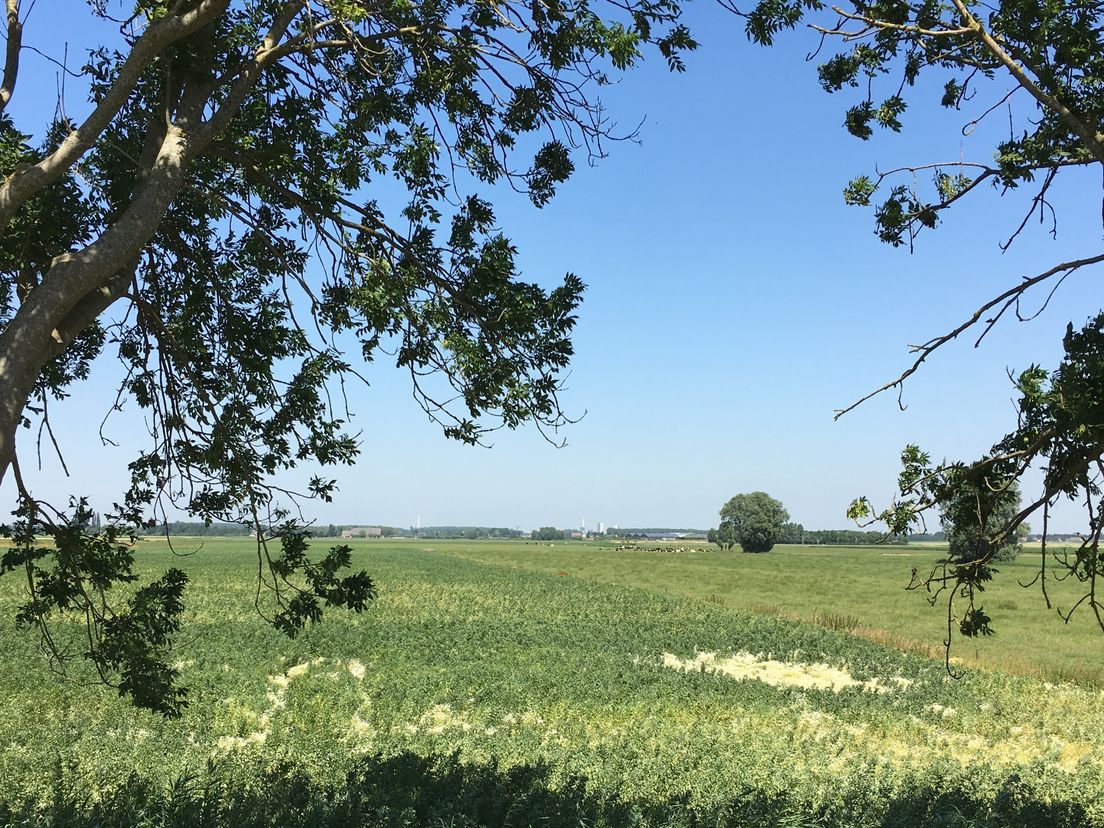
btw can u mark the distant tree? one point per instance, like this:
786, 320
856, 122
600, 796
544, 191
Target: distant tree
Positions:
974, 523
981, 516
548, 533
724, 537
203, 529
331, 531
848, 537
793, 533
755, 520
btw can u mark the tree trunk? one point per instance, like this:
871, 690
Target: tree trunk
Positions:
79, 286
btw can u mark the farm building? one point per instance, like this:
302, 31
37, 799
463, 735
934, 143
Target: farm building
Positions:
363, 532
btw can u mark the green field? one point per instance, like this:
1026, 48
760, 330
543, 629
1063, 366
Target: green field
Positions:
476, 691
857, 588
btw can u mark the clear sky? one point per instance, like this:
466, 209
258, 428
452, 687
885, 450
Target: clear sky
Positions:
733, 304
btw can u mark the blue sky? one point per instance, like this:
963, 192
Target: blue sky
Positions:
733, 304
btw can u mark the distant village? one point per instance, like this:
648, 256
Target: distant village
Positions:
792, 533
350, 532
478, 532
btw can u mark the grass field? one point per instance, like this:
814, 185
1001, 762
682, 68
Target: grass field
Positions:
479, 692
856, 588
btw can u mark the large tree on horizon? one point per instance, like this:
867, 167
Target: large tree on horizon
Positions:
754, 520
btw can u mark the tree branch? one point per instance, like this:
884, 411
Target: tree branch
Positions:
11, 61
31, 178
1093, 142
25, 344
267, 53
1005, 299
874, 23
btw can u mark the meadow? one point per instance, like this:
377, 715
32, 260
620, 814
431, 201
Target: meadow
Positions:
858, 589
482, 691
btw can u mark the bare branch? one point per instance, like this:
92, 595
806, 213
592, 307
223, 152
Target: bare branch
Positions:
875, 23
1005, 300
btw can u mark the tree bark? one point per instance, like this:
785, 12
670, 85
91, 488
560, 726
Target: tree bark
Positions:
29, 179
11, 59
79, 286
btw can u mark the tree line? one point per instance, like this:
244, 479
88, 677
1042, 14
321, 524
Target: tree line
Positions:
795, 533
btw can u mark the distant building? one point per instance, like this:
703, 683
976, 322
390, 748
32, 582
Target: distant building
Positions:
363, 532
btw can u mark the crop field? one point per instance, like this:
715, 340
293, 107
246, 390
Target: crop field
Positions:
858, 589
477, 692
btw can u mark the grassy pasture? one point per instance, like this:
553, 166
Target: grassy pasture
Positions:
860, 589
481, 693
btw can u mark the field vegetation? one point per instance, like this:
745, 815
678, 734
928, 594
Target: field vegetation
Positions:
857, 589
475, 691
